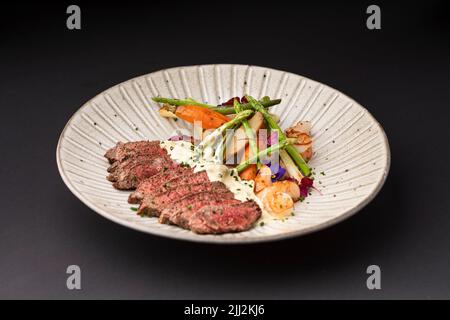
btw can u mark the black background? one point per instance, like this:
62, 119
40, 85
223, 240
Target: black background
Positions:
400, 73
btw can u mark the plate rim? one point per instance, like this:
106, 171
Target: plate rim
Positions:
212, 238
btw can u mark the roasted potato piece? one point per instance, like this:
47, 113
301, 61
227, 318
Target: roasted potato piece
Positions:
240, 140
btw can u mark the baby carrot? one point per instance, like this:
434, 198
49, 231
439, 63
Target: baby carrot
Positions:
248, 173
209, 119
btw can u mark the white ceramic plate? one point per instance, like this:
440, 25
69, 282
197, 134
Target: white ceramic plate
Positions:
350, 147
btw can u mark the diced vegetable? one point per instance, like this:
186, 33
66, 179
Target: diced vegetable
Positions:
209, 119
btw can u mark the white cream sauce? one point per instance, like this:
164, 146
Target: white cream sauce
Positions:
184, 152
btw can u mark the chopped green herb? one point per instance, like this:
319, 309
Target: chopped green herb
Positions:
134, 209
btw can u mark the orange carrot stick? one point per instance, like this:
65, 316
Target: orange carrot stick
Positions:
250, 172
209, 119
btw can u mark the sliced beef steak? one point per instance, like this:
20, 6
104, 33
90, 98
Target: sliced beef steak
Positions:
119, 166
190, 204
130, 163
149, 185
131, 177
190, 179
152, 205
225, 218
125, 150
151, 151
175, 193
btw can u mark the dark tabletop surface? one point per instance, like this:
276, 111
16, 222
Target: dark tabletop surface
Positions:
400, 73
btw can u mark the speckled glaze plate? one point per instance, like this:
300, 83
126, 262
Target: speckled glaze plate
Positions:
350, 146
